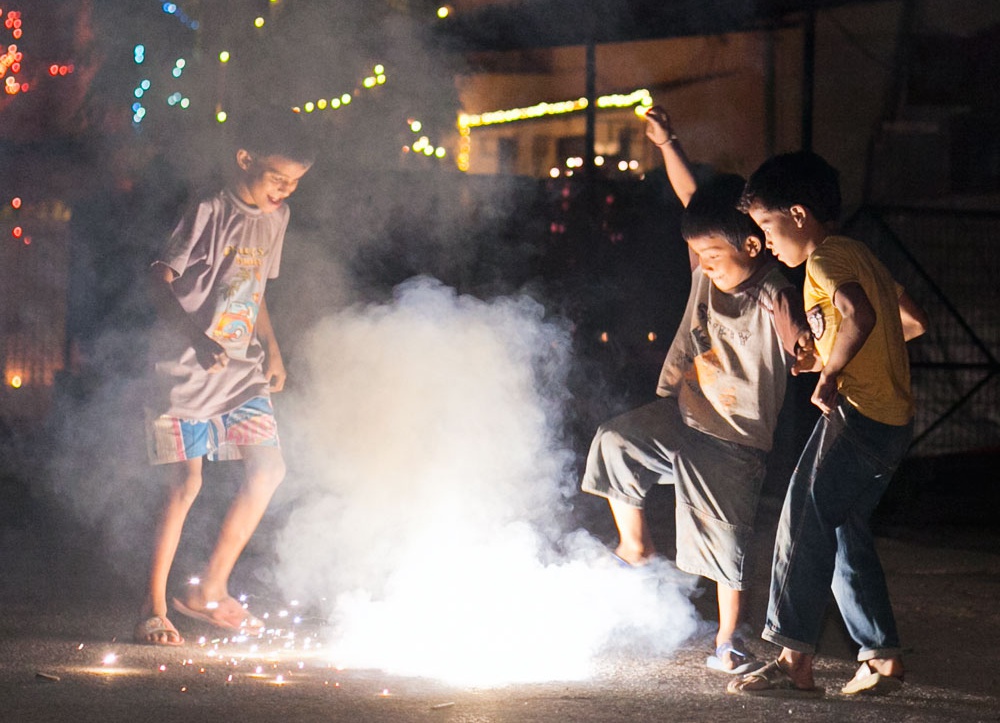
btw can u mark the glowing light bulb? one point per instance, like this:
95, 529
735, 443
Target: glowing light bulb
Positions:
15, 381
15, 202
224, 56
443, 12
258, 22
221, 116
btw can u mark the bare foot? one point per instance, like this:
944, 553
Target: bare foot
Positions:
226, 613
891, 667
775, 677
632, 556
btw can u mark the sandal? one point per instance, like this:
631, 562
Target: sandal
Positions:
742, 661
773, 681
869, 681
148, 632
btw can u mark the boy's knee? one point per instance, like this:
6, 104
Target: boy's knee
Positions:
268, 474
185, 485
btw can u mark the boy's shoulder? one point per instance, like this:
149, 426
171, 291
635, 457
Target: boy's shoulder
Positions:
768, 280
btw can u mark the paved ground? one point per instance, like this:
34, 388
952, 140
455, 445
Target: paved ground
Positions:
61, 615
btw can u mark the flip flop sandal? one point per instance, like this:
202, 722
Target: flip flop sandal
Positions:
156, 625
249, 623
743, 662
777, 684
868, 681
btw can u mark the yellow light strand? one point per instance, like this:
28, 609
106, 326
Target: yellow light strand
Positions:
640, 98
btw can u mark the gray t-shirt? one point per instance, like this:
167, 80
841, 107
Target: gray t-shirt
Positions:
223, 251
729, 361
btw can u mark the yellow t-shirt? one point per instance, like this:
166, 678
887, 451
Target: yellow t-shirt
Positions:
876, 381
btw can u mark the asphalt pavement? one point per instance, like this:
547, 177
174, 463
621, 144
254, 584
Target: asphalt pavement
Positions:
66, 655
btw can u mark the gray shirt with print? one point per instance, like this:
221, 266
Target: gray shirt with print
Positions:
223, 252
729, 361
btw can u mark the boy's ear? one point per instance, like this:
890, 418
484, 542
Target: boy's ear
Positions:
752, 246
243, 159
799, 214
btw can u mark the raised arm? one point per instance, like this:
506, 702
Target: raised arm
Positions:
660, 131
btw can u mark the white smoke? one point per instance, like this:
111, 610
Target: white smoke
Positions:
433, 490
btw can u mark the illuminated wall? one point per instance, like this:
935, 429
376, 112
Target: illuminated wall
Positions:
34, 267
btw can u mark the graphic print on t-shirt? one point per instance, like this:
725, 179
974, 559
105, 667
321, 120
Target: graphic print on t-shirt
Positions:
817, 322
239, 299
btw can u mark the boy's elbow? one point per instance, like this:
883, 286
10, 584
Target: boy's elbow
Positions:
914, 327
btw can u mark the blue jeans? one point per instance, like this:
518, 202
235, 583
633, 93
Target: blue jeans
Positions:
824, 538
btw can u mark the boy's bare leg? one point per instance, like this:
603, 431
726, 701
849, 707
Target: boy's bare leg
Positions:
183, 480
264, 471
636, 543
730, 610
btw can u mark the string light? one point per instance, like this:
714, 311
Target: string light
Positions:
640, 98
378, 77
171, 9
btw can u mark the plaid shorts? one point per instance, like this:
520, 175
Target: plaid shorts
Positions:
172, 439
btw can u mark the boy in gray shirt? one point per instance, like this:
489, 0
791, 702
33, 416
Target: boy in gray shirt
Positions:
216, 361
722, 386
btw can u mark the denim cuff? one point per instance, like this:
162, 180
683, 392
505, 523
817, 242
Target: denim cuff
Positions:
864, 655
797, 645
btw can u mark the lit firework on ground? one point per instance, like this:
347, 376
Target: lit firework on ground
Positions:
434, 496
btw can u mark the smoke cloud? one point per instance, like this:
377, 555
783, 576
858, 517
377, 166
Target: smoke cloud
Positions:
433, 496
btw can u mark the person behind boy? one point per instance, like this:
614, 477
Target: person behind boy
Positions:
860, 320
722, 384
217, 361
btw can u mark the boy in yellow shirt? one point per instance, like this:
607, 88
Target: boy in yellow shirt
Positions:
860, 321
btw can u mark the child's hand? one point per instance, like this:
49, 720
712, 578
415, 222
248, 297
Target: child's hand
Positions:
210, 354
825, 394
658, 128
274, 372
806, 359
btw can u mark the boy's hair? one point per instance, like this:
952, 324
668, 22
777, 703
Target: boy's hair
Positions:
275, 131
800, 178
712, 211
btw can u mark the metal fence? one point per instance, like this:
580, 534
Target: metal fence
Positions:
949, 263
